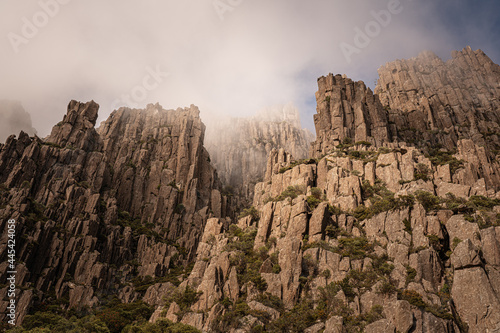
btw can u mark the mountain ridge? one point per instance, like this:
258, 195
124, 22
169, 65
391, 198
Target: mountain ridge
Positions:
386, 226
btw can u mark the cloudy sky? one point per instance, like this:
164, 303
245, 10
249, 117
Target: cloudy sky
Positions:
229, 57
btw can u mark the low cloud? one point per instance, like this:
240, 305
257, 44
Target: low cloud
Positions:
14, 119
261, 53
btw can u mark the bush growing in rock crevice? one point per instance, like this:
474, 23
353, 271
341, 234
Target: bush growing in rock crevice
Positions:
317, 196
382, 200
184, 299
422, 172
439, 157
296, 163
414, 298
428, 200
251, 211
290, 192
246, 260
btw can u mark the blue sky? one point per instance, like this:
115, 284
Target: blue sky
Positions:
447, 25
230, 62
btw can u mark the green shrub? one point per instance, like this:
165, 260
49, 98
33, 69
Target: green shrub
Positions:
230, 319
142, 283
360, 280
296, 163
438, 157
173, 184
317, 192
271, 301
184, 299
479, 201
161, 326
275, 262
384, 150
51, 144
290, 192
313, 202
300, 317
411, 274
252, 211
382, 201
455, 203
246, 260
365, 156
412, 297
328, 302
354, 247
116, 317
455, 243
422, 171
407, 225
381, 266
428, 200
51, 322
326, 274
138, 228
335, 210
435, 242
387, 288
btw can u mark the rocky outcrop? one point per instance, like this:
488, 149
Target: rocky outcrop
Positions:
14, 119
239, 147
347, 112
107, 211
440, 102
374, 234
370, 234
390, 253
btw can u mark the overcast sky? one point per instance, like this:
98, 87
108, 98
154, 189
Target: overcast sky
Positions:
229, 57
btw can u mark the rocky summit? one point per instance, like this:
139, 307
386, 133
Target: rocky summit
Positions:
391, 223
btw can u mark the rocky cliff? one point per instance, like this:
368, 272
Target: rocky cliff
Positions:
369, 234
347, 112
421, 101
239, 147
440, 102
373, 234
377, 240
105, 212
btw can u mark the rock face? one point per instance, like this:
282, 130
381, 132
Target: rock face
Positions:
239, 147
14, 119
96, 209
443, 102
347, 112
373, 235
370, 234
341, 231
